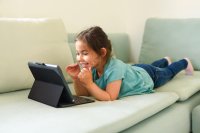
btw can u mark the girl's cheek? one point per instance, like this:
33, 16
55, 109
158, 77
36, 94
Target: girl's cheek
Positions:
89, 60
94, 62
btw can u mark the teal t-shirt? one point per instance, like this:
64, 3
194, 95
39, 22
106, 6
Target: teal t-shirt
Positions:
135, 80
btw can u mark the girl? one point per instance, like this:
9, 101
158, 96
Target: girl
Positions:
98, 74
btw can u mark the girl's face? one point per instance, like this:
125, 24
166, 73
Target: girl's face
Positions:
85, 56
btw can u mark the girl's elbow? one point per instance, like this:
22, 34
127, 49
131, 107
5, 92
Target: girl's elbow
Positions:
112, 98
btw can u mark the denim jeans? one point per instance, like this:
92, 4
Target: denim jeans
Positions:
161, 72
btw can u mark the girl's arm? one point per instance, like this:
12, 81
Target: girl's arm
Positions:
80, 89
111, 93
73, 70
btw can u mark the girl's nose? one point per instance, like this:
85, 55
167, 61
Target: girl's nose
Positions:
79, 58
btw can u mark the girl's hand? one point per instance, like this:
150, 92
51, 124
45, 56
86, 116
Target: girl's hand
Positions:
85, 77
73, 70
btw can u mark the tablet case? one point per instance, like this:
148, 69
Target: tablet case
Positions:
48, 89
46, 93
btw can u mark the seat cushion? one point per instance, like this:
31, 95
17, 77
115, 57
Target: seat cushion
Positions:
23, 40
183, 85
26, 115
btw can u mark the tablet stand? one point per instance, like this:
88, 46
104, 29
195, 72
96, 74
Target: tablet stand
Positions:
46, 93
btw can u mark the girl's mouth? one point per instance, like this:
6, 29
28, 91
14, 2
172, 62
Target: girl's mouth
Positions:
83, 65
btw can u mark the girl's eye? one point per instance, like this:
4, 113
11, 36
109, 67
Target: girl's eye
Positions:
85, 53
82, 53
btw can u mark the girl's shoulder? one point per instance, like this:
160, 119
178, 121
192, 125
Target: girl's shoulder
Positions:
115, 61
115, 64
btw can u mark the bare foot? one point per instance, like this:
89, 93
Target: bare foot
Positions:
168, 60
189, 70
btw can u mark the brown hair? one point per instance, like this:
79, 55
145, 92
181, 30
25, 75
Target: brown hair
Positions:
96, 39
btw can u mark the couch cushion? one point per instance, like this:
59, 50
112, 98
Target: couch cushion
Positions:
177, 38
196, 119
25, 115
23, 40
183, 85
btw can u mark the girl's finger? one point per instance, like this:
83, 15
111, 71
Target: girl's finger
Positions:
90, 69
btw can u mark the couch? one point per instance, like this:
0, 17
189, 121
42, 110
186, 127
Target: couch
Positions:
46, 40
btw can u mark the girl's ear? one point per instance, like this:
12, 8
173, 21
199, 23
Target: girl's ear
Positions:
103, 52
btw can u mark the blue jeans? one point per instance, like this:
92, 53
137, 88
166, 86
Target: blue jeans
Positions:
161, 72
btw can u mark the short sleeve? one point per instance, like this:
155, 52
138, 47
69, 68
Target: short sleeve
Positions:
115, 72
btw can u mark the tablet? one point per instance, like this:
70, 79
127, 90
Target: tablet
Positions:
51, 88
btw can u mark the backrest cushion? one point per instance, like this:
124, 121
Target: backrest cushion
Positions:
177, 38
23, 40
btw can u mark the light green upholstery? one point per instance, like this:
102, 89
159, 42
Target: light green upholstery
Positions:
184, 86
196, 119
120, 44
23, 40
46, 40
21, 115
177, 38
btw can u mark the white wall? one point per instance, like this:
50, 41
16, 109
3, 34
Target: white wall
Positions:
112, 15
